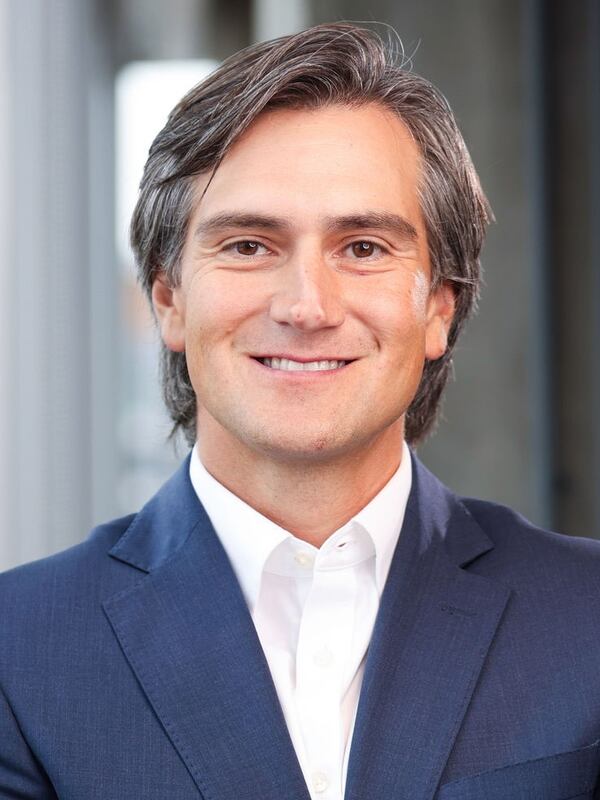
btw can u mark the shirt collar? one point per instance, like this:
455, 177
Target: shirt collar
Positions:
383, 516
249, 538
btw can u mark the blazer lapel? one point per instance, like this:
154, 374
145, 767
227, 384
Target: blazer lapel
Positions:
186, 631
435, 625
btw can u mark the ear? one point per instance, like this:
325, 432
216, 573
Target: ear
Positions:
169, 310
440, 313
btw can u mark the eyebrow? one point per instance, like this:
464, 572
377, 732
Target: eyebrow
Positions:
382, 220
239, 220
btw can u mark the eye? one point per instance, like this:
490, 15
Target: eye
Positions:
246, 247
365, 249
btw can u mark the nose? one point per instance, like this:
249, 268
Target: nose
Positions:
308, 296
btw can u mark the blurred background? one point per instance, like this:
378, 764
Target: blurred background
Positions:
85, 85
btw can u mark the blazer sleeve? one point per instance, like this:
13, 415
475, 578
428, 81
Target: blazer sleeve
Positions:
21, 776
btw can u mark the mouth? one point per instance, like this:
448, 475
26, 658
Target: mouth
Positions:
290, 365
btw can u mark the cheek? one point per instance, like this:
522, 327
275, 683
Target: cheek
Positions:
216, 310
396, 314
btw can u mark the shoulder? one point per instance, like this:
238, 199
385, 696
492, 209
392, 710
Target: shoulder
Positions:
513, 544
35, 590
51, 611
98, 542
75, 581
533, 556
509, 528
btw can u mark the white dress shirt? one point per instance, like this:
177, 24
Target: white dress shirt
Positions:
314, 611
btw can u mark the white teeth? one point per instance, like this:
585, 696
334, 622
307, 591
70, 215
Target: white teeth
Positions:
301, 366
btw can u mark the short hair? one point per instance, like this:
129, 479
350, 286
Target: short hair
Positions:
327, 64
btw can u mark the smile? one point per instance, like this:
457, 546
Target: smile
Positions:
289, 365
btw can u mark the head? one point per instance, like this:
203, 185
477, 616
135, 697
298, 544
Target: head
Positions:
328, 65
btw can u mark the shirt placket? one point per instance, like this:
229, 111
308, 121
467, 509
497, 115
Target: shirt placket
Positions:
324, 644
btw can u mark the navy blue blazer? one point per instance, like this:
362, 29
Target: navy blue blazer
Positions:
130, 667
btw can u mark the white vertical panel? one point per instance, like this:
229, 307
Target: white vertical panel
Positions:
7, 545
46, 454
28, 315
103, 272
145, 94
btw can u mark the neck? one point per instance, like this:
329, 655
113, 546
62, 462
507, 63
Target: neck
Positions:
309, 498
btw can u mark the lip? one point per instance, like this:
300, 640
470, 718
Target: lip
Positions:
302, 359
302, 374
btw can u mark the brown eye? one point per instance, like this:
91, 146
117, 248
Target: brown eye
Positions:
363, 249
247, 248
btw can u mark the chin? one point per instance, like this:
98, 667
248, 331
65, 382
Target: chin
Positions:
320, 447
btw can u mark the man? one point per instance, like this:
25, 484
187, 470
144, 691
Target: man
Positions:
303, 611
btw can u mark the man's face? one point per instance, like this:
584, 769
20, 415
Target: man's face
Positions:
308, 247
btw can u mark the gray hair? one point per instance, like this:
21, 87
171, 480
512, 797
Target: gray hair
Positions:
327, 64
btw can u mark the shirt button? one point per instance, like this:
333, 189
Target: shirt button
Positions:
320, 782
303, 559
323, 657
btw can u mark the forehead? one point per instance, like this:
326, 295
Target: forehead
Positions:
333, 160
